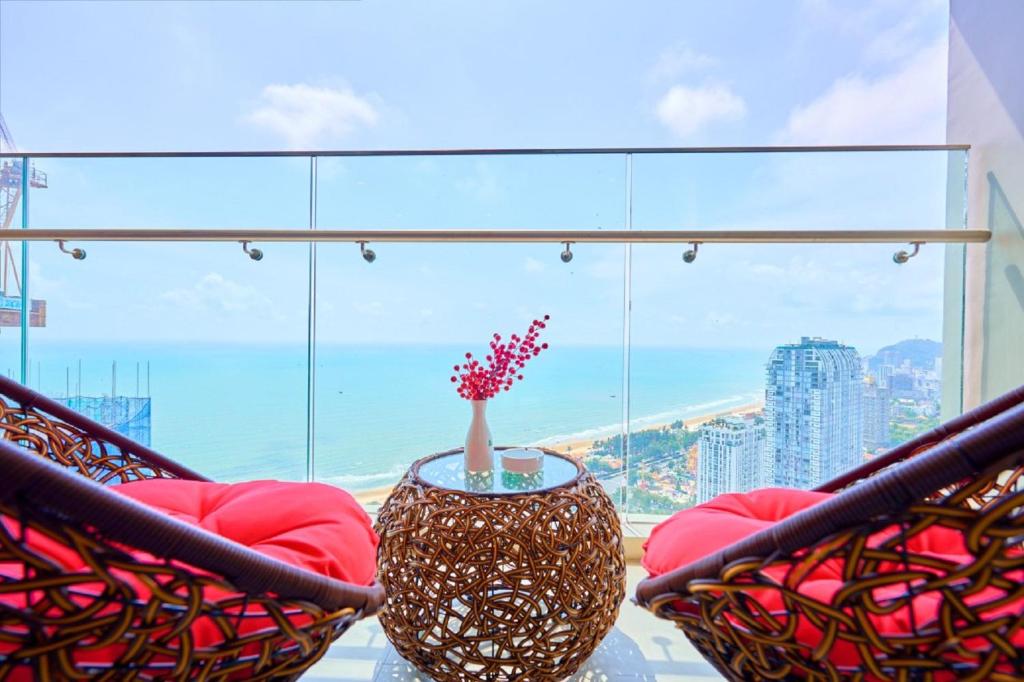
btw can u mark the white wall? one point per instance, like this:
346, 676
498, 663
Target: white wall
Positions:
986, 110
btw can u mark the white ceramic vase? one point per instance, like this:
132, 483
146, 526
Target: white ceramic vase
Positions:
479, 448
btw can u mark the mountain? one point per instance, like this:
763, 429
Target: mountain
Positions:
921, 353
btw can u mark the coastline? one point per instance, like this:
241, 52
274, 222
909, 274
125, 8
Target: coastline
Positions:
581, 447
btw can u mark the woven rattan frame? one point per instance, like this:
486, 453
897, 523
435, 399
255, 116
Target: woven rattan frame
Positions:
499, 587
962, 479
125, 618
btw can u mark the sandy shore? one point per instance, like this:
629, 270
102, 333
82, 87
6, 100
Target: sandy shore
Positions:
579, 447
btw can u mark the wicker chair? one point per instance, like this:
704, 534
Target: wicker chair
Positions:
122, 617
965, 477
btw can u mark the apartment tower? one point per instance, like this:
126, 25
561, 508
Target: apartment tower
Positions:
813, 418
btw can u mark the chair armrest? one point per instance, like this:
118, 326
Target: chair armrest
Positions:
40, 490
96, 585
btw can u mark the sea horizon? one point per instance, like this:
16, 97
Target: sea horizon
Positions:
236, 411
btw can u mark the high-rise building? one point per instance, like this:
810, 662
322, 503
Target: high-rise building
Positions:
813, 419
876, 407
729, 457
128, 416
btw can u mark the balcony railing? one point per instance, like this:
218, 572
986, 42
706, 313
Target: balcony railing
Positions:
689, 269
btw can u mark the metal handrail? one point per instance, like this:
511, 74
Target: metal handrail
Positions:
494, 152
637, 236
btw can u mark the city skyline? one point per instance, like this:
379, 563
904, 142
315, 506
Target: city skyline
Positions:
813, 387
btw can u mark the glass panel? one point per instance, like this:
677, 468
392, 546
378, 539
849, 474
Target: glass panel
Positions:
192, 347
449, 471
783, 365
220, 342
792, 190
390, 332
196, 192
1002, 335
571, 192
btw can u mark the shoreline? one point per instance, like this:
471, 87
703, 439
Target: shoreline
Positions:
581, 447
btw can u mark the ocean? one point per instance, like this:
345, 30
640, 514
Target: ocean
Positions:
238, 412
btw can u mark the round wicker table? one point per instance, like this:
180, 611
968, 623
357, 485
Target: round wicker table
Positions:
499, 576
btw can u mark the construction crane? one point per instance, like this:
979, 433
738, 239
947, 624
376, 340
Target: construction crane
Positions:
11, 183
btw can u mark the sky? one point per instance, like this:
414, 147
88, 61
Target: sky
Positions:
79, 76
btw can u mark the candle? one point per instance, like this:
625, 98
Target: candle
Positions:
522, 460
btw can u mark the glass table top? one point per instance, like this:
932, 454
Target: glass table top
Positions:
449, 471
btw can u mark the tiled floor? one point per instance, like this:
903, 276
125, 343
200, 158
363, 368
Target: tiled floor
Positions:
641, 647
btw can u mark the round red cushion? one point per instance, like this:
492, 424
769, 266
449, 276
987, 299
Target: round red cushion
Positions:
695, 533
309, 525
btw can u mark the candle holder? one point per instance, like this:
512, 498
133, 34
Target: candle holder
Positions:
522, 468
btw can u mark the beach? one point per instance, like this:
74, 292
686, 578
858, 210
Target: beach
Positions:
581, 447
378, 409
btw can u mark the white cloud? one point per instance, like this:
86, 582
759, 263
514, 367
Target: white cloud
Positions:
678, 60
865, 288
215, 292
866, 19
888, 30
905, 106
533, 265
685, 110
306, 115
894, 42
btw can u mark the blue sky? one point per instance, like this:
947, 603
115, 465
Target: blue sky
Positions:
195, 75
354, 75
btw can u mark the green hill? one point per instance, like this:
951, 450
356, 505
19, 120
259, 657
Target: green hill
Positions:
921, 353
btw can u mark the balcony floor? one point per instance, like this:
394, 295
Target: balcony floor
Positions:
641, 647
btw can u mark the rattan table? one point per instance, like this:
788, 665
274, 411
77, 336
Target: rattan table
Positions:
499, 577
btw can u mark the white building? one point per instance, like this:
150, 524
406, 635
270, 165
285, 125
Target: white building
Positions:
729, 457
877, 412
813, 418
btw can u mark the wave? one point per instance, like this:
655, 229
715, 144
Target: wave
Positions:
682, 412
366, 481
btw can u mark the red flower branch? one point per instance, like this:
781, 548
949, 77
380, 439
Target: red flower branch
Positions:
480, 382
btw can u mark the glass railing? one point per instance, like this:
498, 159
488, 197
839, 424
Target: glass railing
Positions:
673, 381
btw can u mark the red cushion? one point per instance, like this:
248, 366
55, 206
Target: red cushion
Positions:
695, 533
692, 534
308, 525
